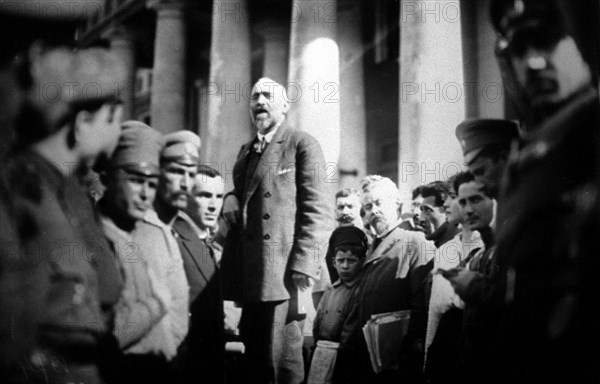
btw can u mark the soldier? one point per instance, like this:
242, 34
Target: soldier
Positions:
202, 354
547, 235
57, 138
486, 145
52, 21
131, 183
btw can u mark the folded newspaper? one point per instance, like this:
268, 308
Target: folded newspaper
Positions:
384, 333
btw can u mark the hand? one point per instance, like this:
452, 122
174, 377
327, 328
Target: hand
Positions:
231, 210
461, 280
302, 281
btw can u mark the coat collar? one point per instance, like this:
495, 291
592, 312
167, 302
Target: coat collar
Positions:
193, 245
392, 237
272, 154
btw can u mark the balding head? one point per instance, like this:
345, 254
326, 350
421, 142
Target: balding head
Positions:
268, 104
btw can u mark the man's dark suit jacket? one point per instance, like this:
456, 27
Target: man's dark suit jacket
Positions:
204, 348
286, 218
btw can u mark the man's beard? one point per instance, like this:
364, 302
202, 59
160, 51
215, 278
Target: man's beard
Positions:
380, 224
264, 124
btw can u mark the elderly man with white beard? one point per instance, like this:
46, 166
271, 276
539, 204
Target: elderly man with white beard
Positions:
389, 281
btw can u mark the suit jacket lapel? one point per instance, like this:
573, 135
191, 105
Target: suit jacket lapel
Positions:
195, 251
386, 243
271, 155
205, 268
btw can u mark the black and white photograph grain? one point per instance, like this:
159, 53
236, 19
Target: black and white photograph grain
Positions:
299, 191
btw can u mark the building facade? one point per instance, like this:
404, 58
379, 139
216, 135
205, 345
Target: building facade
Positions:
381, 84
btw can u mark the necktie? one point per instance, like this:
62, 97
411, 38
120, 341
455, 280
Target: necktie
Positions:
260, 145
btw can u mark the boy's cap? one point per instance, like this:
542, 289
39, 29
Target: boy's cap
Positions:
348, 236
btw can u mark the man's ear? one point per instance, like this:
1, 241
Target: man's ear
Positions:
82, 122
286, 106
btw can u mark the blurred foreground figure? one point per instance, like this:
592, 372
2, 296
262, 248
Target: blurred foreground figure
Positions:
547, 224
77, 281
23, 22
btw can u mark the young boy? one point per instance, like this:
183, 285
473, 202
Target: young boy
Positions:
331, 323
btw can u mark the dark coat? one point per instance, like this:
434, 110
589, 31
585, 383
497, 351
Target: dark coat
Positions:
389, 283
204, 347
547, 236
286, 218
77, 277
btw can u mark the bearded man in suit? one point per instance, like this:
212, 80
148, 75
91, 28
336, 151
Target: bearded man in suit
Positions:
280, 219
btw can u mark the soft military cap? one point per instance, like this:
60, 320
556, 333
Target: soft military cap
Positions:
62, 77
507, 14
182, 147
348, 236
475, 134
138, 150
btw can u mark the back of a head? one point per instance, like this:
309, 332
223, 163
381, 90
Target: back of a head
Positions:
65, 82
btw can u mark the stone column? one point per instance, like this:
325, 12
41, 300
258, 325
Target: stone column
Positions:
167, 108
122, 42
432, 92
353, 143
276, 36
314, 78
229, 87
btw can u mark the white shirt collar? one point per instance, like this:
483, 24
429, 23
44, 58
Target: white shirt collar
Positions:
269, 136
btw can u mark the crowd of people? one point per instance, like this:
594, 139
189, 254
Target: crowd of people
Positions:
119, 247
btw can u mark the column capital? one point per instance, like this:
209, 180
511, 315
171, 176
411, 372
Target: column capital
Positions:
166, 5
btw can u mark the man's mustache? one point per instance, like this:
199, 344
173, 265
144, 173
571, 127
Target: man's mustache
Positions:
346, 218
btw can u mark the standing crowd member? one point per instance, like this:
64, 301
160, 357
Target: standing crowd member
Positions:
388, 283
478, 346
433, 212
201, 354
280, 218
332, 323
131, 183
205, 205
547, 232
445, 316
347, 213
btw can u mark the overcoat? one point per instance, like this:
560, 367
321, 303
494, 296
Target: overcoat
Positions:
287, 218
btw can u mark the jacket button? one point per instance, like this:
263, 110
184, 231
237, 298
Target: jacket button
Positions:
266, 216
267, 236
268, 194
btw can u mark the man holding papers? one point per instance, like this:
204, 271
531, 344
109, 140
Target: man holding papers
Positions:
387, 285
